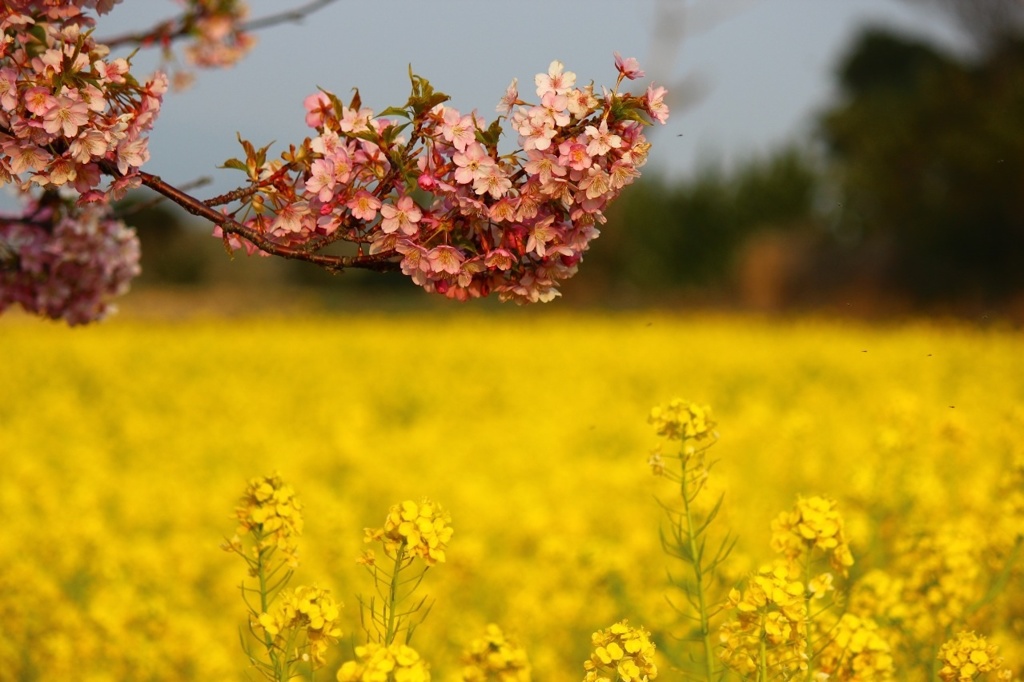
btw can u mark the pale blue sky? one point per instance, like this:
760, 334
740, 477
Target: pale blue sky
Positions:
762, 67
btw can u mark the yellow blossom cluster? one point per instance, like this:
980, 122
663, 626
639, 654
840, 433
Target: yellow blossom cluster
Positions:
418, 528
378, 663
770, 614
621, 653
969, 655
495, 657
814, 523
856, 649
682, 420
111, 506
309, 611
270, 512
941, 578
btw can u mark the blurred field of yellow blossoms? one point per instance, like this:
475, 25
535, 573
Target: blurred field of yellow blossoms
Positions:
895, 455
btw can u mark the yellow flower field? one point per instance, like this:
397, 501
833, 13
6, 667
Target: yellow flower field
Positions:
126, 447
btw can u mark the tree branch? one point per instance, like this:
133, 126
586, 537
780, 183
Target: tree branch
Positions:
294, 15
166, 32
381, 262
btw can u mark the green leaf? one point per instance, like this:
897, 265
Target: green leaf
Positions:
339, 108
391, 132
489, 138
236, 164
423, 97
395, 111
368, 135
247, 146
629, 111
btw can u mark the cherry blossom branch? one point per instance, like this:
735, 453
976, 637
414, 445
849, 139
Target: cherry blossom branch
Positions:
247, 192
381, 262
171, 30
293, 15
419, 188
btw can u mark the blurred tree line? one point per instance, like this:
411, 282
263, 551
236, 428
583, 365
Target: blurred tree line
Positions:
909, 195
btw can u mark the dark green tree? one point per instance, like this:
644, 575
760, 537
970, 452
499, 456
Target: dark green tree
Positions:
928, 153
664, 238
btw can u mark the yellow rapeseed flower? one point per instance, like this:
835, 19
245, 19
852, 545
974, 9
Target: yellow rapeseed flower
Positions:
378, 663
421, 527
682, 420
771, 610
495, 657
621, 653
308, 610
855, 650
968, 655
814, 523
270, 512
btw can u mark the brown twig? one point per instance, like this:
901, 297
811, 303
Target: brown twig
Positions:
155, 201
246, 192
171, 30
381, 262
295, 15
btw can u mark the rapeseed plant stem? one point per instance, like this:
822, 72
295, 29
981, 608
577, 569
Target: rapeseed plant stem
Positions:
690, 424
762, 656
809, 620
999, 583
698, 577
392, 600
293, 626
265, 599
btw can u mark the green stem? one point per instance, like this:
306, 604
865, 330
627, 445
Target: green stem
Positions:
280, 664
762, 655
698, 575
392, 605
807, 618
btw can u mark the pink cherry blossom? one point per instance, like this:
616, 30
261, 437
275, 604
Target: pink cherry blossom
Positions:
132, 153
353, 121
8, 88
24, 156
291, 218
555, 105
364, 205
541, 233
629, 68
38, 100
574, 154
543, 165
509, 99
535, 126
321, 180
459, 130
656, 106
596, 183
601, 140
556, 80
494, 181
315, 105
65, 116
500, 259
445, 258
581, 102
472, 164
402, 216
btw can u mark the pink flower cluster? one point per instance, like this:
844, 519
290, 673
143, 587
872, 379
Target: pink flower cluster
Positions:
216, 26
461, 218
56, 9
68, 263
69, 113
